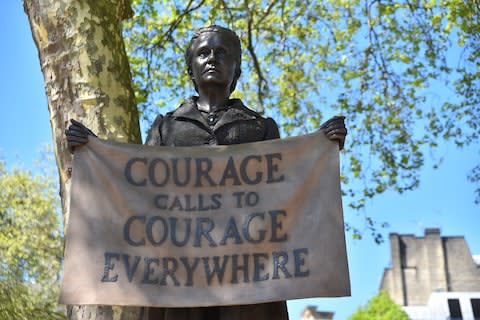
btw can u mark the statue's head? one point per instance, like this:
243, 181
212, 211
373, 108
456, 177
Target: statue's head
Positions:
233, 43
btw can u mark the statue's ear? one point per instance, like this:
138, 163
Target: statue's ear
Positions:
190, 74
238, 72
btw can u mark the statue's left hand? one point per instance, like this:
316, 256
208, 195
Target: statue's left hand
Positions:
335, 129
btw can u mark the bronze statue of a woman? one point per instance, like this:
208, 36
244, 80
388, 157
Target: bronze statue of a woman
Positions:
213, 60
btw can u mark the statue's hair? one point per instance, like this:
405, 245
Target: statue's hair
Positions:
237, 48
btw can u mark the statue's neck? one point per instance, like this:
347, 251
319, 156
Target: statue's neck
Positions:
212, 100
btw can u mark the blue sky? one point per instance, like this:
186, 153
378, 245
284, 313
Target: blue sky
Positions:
445, 199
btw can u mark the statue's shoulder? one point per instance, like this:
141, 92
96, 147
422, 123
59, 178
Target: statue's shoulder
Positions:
188, 109
239, 104
154, 137
270, 126
240, 107
162, 123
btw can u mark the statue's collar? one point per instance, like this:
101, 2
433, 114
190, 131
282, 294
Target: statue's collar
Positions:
234, 111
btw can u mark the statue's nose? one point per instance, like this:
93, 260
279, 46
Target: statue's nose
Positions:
211, 56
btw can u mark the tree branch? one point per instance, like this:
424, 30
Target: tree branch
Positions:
173, 26
261, 82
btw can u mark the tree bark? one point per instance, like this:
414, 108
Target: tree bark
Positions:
87, 78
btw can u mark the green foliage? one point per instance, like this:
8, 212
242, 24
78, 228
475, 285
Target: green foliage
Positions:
380, 307
382, 64
30, 246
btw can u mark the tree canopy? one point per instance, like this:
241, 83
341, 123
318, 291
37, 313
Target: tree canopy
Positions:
31, 245
404, 73
380, 307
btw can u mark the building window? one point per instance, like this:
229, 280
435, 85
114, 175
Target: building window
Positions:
476, 308
455, 311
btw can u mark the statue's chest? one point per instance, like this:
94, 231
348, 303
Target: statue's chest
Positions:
191, 133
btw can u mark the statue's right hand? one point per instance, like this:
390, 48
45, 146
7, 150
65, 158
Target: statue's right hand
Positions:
77, 135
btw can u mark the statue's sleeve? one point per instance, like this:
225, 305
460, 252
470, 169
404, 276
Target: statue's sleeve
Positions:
271, 129
154, 137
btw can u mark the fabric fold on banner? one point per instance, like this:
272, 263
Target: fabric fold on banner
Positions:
204, 226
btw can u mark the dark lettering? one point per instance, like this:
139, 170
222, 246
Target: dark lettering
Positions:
188, 204
230, 173
149, 230
272, 168
130, 268
152, 170
243, 170
231, 231
201, 205
203, 172
216, 201
176, 179
277, 225
217, 270
299, 262
161, 201
167, 271
147, 272
252, 198
280, 264
173, 231
176, 204
259, 266
200, 231
238, 195
128, 172
190, 268
109, 265
246, 228
236, 267
126, 231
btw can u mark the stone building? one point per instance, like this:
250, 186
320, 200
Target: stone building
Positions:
433, 277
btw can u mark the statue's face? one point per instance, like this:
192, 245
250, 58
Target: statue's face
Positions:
213, 60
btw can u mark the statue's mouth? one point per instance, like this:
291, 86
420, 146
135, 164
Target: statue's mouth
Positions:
211, 69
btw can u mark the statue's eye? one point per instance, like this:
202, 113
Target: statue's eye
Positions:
203, 53
221, 52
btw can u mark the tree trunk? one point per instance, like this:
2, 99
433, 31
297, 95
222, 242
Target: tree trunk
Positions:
87, 78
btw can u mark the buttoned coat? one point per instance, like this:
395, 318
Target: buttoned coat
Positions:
187, 126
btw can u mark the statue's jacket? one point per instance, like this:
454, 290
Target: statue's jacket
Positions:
187, 126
